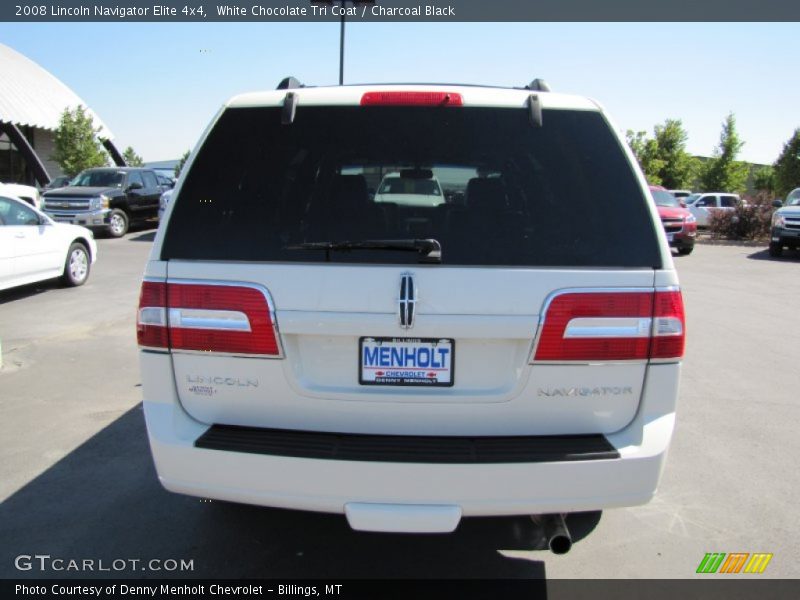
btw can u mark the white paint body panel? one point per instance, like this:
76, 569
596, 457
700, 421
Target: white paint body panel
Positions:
479, 490
323, 310
398, 518
492, 313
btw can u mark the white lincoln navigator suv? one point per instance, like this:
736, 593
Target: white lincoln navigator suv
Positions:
512, 350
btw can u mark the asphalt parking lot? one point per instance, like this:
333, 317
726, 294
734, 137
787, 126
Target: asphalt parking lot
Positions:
77, 480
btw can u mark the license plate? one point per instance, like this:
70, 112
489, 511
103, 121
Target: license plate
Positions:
406, 361
670, 237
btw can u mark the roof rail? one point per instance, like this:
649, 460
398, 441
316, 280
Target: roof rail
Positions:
538, 85
289, 83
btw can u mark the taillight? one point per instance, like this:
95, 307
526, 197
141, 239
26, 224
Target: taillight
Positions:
669, 325
396, 98
151, 323
612, 326
203, 317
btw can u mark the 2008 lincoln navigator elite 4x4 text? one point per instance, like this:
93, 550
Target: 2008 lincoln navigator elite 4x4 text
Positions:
310, 341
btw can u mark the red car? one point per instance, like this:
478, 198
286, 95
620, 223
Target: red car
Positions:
679, 224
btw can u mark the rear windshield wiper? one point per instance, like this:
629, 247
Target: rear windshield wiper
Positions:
429, 250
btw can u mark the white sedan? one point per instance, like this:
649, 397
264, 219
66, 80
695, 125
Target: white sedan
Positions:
33, 247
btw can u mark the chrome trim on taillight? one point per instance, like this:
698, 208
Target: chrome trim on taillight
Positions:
610, 327
200, 318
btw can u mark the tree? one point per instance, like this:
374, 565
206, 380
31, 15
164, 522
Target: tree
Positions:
76, 145
131, 158
646, 151
723, 173
695, 171
678, 167
181, 162
663, 157
764, 179
787, 167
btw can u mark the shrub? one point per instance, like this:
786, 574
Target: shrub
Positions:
749, 221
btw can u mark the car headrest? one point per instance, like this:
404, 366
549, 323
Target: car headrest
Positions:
349, 192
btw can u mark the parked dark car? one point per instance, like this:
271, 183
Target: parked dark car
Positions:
108, 199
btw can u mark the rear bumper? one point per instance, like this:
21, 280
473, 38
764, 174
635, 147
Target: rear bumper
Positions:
357, 487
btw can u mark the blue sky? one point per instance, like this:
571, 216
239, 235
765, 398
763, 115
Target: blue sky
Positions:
157, 85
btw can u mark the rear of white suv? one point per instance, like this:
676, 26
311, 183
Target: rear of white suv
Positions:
514, 352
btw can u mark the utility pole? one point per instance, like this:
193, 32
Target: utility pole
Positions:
341, 47
343, 12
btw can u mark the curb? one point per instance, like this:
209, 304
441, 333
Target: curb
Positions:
743, 243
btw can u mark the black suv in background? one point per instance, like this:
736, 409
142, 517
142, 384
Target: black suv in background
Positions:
107, 199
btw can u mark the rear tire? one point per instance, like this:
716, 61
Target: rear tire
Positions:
118, 223
77, 265
775, 250
685, 251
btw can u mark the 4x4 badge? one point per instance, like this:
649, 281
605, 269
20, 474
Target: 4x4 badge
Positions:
407, 301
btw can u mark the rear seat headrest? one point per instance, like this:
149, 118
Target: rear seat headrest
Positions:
483, 193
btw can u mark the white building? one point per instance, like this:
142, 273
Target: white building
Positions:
32, 101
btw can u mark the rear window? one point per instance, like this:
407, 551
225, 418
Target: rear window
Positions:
487, 185
420, 187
